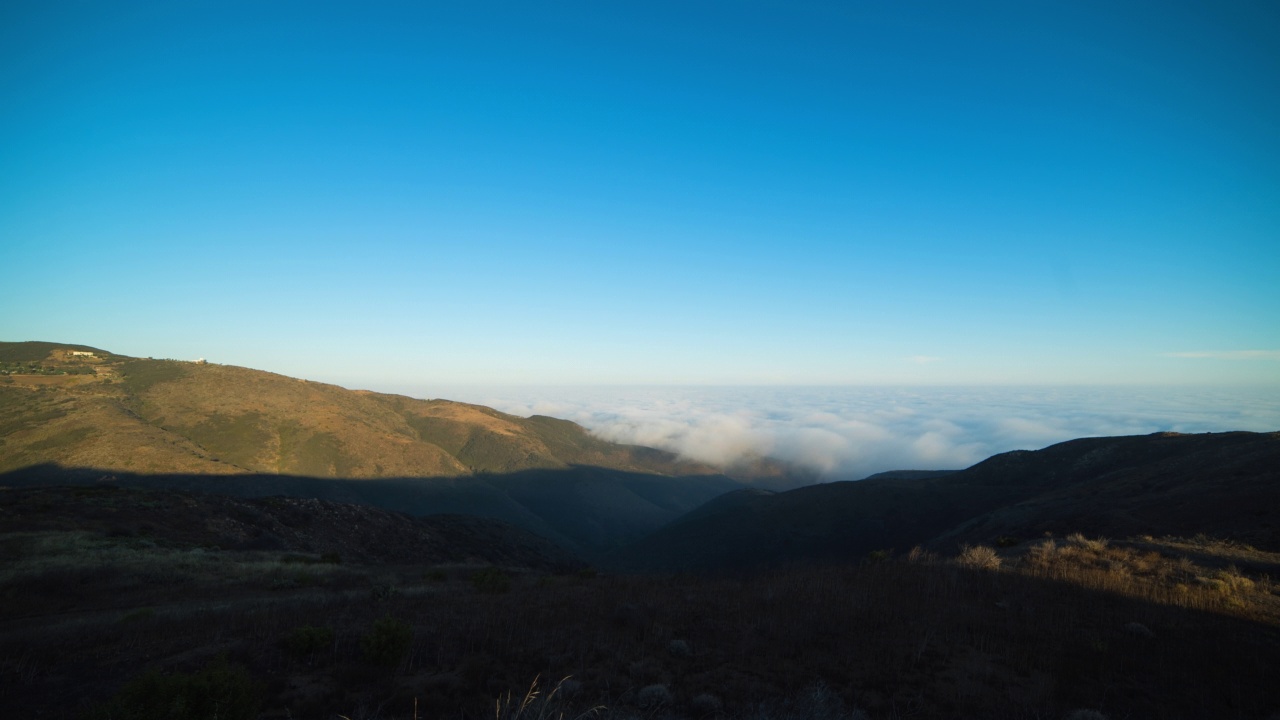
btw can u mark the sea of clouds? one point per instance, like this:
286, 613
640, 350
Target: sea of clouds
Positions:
851, 432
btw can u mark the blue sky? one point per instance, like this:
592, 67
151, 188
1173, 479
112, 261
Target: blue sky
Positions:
385, 194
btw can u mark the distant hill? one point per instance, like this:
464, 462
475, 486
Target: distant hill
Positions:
1225, 485
80, 414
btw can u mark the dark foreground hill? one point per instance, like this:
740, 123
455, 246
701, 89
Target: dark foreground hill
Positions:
1224, 485
103, 626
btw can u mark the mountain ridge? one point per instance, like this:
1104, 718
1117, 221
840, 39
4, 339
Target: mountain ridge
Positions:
1221, 484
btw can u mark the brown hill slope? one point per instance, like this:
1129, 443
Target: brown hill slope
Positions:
164, 416
1225, 484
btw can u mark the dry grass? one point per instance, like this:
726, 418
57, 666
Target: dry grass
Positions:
533, 705
1056, 629
1165, 576
979, 557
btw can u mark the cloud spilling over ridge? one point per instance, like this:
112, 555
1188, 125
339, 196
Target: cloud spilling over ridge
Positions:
851, 432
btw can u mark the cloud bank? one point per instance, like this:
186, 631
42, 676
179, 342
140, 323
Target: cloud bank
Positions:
851, 432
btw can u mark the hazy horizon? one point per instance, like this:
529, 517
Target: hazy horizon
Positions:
847, 433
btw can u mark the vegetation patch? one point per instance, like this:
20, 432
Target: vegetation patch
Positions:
487, 451
318, 454
22, 410
449, 435
219, 691
388, 642
142, 375
60, 440
307, 640
491, 580
237, 439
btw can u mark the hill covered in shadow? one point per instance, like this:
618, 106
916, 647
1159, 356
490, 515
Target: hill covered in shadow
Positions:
1221, 484
588, 511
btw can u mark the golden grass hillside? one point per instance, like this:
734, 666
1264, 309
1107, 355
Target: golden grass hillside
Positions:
111, 412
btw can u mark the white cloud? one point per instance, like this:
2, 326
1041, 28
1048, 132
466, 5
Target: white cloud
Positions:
852, 432
1228, 354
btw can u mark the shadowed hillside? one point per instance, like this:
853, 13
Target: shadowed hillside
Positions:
336, 532
1224, 484
586, 510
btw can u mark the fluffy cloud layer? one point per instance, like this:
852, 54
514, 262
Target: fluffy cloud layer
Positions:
849, 433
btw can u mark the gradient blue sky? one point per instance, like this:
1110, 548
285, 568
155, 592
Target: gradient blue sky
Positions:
384, 194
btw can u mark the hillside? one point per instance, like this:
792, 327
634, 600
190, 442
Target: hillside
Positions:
113, 412
339, 532
80, 415
1224, 485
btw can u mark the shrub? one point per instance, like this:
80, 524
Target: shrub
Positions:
1233, 580
1043, 553
139, 614
653, 696
388, 642
220, 691
918, 554
1138, 630
979, 556
491, 580
705, 704
383, 591
308, 640
819, 702
1081, 541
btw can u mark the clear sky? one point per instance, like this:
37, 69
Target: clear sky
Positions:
385, 194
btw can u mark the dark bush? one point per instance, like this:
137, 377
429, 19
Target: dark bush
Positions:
220, 691
491, 580
388, 642
308, 640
